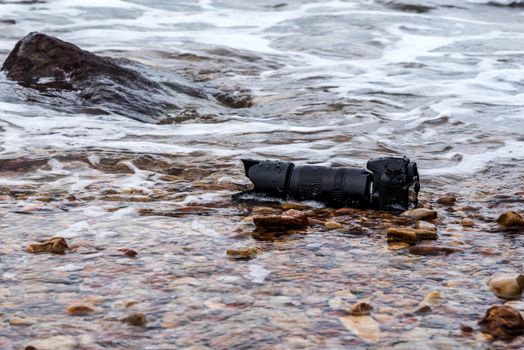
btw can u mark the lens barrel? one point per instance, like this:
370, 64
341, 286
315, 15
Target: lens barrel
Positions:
388, 183
335, 186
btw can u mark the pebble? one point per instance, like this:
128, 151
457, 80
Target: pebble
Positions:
409, 235
128, 252
333, 225
55, 245
507, 287
59, 342
22, 321
360, 309
511, 220
243, 253
81, 309
447, 200
136, 319
467, 223
421, 214
425, 225
502, 321
432, 250
398, 245
364, 327
289, 219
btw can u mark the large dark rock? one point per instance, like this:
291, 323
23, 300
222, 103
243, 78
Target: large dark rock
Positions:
45, 62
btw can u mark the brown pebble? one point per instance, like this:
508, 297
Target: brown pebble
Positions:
409, 235
333, 225
447, 200
243, 253
289, 219
511, 220
136, 319
56, 245
128, 252
502, 321
361, 309
467, 223
80, 309
421, 214
432, 250
466, 329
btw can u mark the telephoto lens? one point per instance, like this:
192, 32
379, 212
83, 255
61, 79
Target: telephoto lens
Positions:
389, 183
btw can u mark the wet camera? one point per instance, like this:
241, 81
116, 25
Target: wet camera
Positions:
388, 183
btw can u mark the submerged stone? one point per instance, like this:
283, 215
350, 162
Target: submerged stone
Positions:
243, 253
364, 327
59, 342
360, 309
502, 321
81, 309
136, 319
432, 250
56, 245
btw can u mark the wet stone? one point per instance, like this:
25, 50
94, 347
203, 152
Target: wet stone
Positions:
243, 253
507, 287
409, 235
360, 309
289, 219
502, 321
447, 200
56, 245
432, 250
421, 214
511, 220
333, 225
467, 223
59, 342
131, 253
136, 319
81, 309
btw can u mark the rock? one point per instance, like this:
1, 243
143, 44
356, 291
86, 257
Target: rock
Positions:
502, 321
507, 287
128, 252
22, 321
59, 342
42, 62
333, 225
424, 225
398, 245
432, 250
288, 220
511, 220
409, 235
424, 306
447, 200
364, 327
421, 214
56, 245
136, 319
467, 223
243, 253
81, 309
360, 309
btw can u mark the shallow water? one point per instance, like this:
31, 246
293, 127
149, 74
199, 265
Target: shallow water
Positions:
332, 83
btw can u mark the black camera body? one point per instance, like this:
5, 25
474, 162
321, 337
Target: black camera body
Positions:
388, 183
